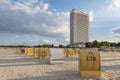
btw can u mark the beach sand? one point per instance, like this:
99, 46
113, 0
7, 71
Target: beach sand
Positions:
15, 65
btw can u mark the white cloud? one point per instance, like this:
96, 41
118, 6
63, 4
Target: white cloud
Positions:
114, 5
116, 28
45, 7
32, 1
33, 17
116, 32
91, 16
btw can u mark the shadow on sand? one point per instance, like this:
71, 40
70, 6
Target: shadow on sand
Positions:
59, 75
26, 61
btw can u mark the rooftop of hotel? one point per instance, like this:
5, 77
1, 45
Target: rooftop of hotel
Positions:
79, 11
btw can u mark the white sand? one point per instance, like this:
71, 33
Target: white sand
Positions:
17, 66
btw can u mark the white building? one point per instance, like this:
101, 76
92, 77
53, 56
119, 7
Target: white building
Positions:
79, 28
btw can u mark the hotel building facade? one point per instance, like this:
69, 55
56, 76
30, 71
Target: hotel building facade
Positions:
79, 28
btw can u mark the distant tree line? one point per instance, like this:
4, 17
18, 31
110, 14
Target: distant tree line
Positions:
44, 45
93, 44
98, 44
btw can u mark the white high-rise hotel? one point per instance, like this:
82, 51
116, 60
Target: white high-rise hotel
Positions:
79, 27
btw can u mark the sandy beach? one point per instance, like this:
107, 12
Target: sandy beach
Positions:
17, 66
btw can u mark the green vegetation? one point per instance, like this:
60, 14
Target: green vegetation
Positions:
97, 44
93, 44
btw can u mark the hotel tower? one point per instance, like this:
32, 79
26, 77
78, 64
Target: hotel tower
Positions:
79, 27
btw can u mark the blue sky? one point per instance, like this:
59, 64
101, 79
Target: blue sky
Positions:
33, 22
